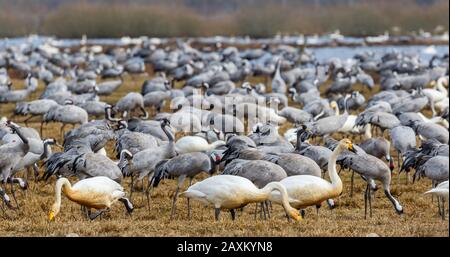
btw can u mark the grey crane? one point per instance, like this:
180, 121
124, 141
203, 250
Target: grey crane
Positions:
184, 166
144, 162
278, 84
66, 114
108, 87
372, 169
317, 153
130, 102
378, 147
428, 130
383, 120
295, 115
92, 164
403, 140
34, 108
132, 141
151, 127
95, 135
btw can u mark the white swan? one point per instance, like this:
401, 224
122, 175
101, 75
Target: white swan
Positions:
435, 120
306, 190
233, 192
96, 192
349, 125
440, 190
189, 144
437, 93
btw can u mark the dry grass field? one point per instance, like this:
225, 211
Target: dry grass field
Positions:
420, 217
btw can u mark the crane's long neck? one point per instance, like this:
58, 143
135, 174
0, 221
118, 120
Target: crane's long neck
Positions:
22, 137
334, 177
346, 104
277, 71
47, 150
170, 148
62, 182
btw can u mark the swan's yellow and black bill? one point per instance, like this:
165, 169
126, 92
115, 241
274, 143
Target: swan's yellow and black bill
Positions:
351, 148
296, 216
51, 215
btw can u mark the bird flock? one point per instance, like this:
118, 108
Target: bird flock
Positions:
284, 140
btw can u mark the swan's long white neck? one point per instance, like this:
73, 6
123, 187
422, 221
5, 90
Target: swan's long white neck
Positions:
336, 109
334, 177
440, 86
267, 190
58, 188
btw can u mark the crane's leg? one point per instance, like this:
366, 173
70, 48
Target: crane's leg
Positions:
365, 201
189, 200
174, 203
42, 127
4, 197
352, 183
26, 120
399, 167
369, 195
148, 194
233, 214
443, 208
5, 200
217, 213
132, 186
13, 192
256, 209
5, 216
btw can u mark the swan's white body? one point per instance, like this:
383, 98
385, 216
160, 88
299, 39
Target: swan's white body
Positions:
435, 120
232, 192
438, 93
191, 144
306, 190
440, 190
96, 192
349, 125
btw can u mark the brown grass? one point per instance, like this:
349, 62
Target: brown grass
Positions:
420, 218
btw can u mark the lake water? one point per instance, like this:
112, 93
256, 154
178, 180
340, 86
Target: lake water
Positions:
322, 53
